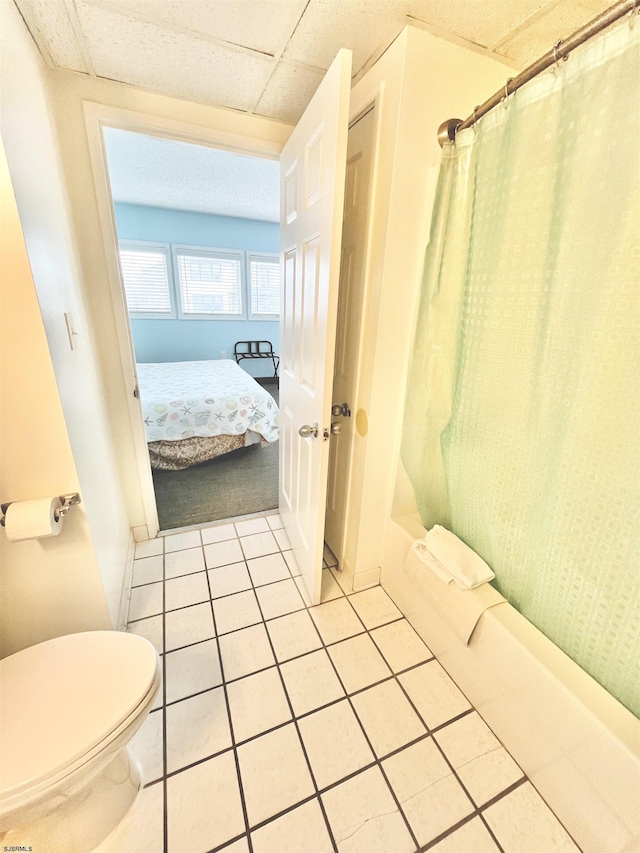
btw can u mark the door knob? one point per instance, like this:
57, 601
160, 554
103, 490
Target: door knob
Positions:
343, 410
336, 428
307, 431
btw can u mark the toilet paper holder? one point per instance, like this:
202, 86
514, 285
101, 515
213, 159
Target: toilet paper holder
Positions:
66, 502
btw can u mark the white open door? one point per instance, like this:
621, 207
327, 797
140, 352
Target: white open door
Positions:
312, 169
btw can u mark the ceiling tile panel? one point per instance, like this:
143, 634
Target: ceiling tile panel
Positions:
155, 58
361, 25
481, 23
217, 51
559, 21
51, 28
288, 93
262, 25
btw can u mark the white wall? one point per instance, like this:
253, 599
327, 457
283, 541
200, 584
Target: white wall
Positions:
31, 145
423, 81
50, 586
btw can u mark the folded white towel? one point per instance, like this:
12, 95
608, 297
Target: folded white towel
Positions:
450, 559
425, 556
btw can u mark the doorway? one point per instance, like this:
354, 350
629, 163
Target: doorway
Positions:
312, 163
198, 235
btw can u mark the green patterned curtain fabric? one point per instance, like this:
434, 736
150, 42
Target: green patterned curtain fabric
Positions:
522, 421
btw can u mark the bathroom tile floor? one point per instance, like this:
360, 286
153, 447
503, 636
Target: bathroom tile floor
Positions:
284, 727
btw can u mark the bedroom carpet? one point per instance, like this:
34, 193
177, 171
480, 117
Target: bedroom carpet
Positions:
237, 483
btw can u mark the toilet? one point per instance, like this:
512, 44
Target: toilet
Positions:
68, 708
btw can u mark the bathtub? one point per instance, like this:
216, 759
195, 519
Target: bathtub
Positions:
579, 746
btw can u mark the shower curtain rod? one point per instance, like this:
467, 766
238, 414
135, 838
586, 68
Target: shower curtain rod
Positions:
561, 50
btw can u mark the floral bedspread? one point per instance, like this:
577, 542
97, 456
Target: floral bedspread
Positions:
182, 399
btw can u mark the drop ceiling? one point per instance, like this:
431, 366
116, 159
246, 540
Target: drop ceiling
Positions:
266, 57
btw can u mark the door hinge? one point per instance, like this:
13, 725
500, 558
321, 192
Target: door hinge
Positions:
136, 392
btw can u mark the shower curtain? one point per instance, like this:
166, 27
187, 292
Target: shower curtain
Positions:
522, 420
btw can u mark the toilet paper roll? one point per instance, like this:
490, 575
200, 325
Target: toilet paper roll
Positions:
33, 519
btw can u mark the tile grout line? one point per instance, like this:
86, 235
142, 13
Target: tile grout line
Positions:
225, 595
295, 722
228, 844
430, 730
230, 722
290, 660
476, 809
273, 818
255, 737
325, 645
478, 814
165, 805
508, 752
272, 729
273, 619
370, 765
377, 760
486, 823
452, 829
366, 736
394, 676
228, 595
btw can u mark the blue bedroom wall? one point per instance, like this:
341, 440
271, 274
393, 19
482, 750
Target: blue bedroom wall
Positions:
191, 340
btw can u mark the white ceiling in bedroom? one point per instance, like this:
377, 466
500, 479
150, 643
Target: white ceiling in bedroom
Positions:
168, 173
268, 56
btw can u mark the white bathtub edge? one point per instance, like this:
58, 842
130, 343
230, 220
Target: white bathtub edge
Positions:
578, 745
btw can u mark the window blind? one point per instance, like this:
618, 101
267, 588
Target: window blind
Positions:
264, 277
146, 280
210, 283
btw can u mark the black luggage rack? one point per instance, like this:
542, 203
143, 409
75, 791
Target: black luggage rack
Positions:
256, 349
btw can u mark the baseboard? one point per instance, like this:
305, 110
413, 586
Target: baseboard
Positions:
364, 580
360, 580
140, 534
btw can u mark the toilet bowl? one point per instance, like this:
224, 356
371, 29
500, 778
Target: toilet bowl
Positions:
68, 708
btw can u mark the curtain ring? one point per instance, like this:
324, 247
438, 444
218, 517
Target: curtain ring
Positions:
475, 109
505, 97
556, 59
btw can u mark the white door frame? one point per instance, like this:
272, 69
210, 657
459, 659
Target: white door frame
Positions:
98, 116
354, 400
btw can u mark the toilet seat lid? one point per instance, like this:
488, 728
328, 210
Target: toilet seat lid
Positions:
61, 698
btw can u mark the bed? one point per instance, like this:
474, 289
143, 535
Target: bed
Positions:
196, 410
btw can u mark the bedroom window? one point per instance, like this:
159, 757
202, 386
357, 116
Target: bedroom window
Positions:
209, 283
145, 273
264, 286
166, 280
